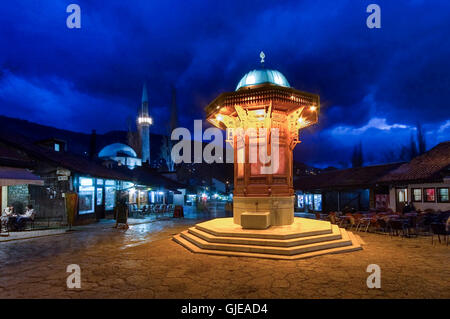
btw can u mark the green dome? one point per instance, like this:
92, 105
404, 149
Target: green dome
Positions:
262, 76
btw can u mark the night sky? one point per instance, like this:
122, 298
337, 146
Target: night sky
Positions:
375, 84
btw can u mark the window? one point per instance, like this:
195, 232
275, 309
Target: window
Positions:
86, 196
402, 195
429, 194
309, 203
416, 194
300, 202
57, 147
110, 194
99, 196
318, 202
443, 195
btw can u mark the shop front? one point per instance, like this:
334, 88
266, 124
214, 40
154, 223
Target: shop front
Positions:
96, 197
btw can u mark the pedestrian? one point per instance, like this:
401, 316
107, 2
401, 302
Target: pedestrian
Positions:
122, 210
7, 213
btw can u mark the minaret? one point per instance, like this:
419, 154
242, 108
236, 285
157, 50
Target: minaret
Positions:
144, 122
172, 126
173, 111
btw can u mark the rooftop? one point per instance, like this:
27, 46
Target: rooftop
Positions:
345, 178
431, 165
263, 76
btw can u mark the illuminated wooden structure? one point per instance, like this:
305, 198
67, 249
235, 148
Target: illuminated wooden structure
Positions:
263, 225
242, 114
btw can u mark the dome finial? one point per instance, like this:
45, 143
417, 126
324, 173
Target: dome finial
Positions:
262, 56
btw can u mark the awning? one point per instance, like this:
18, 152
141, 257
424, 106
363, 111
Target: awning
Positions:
16, 176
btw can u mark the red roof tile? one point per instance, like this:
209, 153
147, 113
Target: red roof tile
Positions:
429, 166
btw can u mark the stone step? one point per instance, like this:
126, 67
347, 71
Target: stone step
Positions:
195, 249
294, 250
302, 227
335, 235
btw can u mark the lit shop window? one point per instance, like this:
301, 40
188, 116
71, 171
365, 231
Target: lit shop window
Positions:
318, 202
402, 195
156, 197
416, 194
86, 195
309, 202
443, 195
99, 196
110, 195
300, 201
429, 194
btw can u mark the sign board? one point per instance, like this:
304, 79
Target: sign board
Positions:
63, 178
63, 171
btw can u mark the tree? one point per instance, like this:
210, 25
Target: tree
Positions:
165, 153
420, 140
412, 148
133, 138
357, 156
404, 154
167, 142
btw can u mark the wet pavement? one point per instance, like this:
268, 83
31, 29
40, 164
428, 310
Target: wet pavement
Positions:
143, 262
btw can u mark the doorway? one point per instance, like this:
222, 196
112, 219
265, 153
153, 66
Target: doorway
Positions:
401, 198
99, 200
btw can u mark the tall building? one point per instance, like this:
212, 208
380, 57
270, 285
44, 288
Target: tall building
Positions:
144, 121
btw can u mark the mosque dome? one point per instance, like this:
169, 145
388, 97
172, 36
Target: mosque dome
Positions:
117, 150
263, 76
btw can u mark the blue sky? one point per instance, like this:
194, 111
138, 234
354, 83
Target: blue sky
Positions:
375, 84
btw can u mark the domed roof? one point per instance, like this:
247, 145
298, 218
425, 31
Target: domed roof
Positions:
262, 76
117, 149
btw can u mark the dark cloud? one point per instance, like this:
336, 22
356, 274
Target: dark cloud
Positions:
398, 74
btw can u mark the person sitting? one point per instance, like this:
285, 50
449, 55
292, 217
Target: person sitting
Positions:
407, 208
27, 216
6, 214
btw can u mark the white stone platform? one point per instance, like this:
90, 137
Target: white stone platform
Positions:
304, 238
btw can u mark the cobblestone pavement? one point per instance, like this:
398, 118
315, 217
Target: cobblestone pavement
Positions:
143, 262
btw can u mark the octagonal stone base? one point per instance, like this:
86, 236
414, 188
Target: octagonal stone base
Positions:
302, 239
